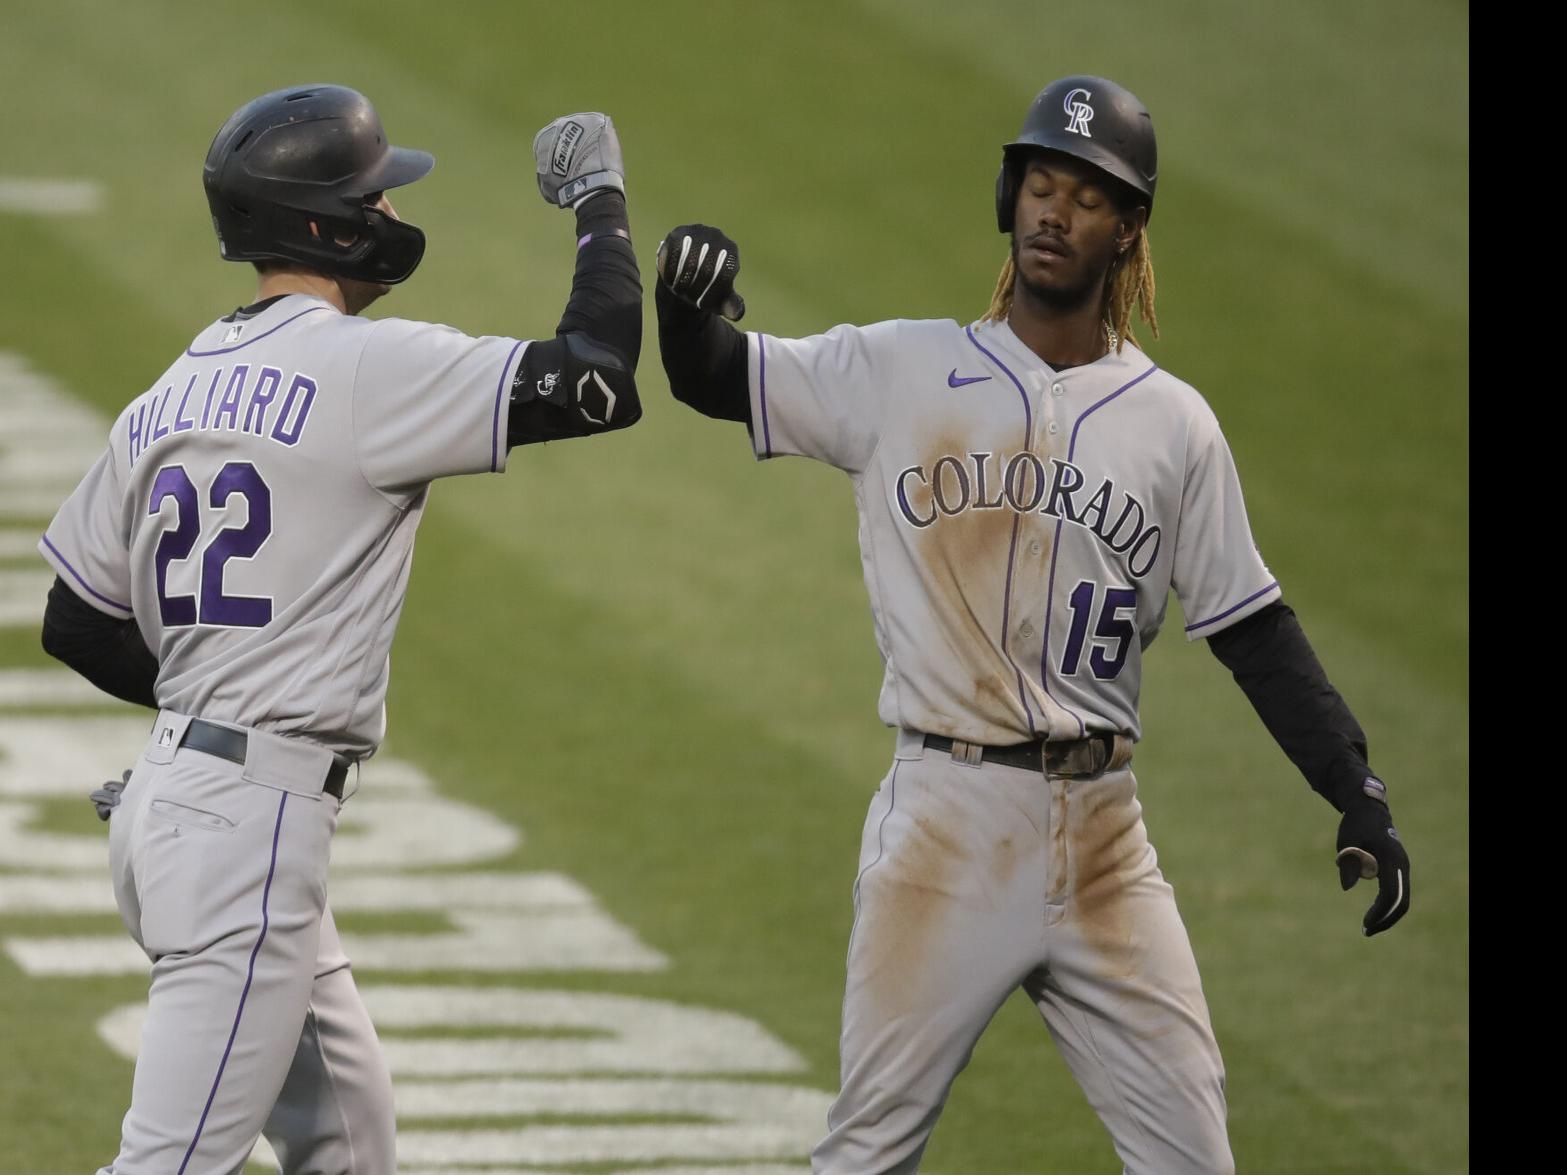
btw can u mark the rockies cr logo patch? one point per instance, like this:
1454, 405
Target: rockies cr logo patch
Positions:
1079, 113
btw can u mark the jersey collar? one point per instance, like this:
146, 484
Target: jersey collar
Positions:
1001, 335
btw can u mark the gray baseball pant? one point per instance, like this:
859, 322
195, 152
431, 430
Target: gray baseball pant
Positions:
253, 1019
977, 880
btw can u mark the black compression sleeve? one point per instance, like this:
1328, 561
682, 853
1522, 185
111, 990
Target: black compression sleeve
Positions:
606, 289
704, 358
107, 652
1274, 664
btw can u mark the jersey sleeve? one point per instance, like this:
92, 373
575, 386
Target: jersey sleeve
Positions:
1219, 574
430, 401
88, 542
823, 396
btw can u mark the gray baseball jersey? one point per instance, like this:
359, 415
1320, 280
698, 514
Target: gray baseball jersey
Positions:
255, 513
255, 508
1020, 528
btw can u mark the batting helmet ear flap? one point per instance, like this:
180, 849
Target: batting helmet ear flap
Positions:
1006, 197
399, 247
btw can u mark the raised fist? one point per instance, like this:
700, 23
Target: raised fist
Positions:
578, 156
699, 264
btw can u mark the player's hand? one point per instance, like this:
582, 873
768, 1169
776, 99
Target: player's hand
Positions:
1368, 846
578, 156
107, 798
698, 264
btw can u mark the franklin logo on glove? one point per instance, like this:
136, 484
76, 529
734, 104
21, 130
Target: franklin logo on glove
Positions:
570, 135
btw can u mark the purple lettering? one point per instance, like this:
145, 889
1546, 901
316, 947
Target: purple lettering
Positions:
903, 498
980, 460
1131, 561
289, 422
229, 406
1012, 484
1068, 480
1137, 527
158, 431
938, 485
180, 423
211, 389
1097, 505
133, 426
260, 397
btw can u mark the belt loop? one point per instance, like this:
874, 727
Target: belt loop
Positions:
1120, 753
969, 754
1099, 755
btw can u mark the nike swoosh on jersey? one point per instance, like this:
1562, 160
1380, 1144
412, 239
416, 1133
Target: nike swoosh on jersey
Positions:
956, 381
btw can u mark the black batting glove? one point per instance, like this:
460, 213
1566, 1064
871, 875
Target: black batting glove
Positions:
1368, 846
698, 264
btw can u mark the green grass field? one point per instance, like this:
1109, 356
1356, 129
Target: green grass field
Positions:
655, 657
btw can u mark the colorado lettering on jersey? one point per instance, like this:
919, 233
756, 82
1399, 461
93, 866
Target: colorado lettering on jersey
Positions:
1022, 484
232, 399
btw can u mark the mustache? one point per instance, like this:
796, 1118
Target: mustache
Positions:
1054, 241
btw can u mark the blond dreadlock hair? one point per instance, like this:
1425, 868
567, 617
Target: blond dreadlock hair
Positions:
1129, 283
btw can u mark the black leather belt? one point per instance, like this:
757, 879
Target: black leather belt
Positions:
1059, 756
227, 743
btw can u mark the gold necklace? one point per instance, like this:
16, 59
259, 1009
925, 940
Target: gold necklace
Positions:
1112, 340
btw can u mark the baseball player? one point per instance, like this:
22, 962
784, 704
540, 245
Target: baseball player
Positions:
237, 559
1030, 487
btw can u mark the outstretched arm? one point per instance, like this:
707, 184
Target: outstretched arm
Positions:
1273, 662
582, 381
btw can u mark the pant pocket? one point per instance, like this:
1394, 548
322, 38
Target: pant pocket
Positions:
172, 812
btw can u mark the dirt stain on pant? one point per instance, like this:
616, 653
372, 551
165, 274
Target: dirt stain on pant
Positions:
1105, 847
908, 904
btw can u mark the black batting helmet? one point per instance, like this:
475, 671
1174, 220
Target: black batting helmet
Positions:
1092, 118
312, 153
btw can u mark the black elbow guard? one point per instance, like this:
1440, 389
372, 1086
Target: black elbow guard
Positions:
570, 386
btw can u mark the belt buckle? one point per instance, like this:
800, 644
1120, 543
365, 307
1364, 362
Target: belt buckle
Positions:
1081, 758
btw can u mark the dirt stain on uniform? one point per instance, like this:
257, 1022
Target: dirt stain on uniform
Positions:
966, 557
1105, 849
1005, 862
913, 898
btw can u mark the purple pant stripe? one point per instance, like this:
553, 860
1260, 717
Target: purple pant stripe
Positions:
243, 995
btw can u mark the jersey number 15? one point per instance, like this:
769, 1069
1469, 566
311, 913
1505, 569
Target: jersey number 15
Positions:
1113, 632
232, 542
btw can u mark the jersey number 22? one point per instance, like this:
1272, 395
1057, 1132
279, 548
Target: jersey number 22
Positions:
233, 542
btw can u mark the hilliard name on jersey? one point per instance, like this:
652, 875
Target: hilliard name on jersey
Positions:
1023, 484
265, 403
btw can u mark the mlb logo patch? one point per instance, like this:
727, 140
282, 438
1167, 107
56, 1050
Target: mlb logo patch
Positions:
234, 332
